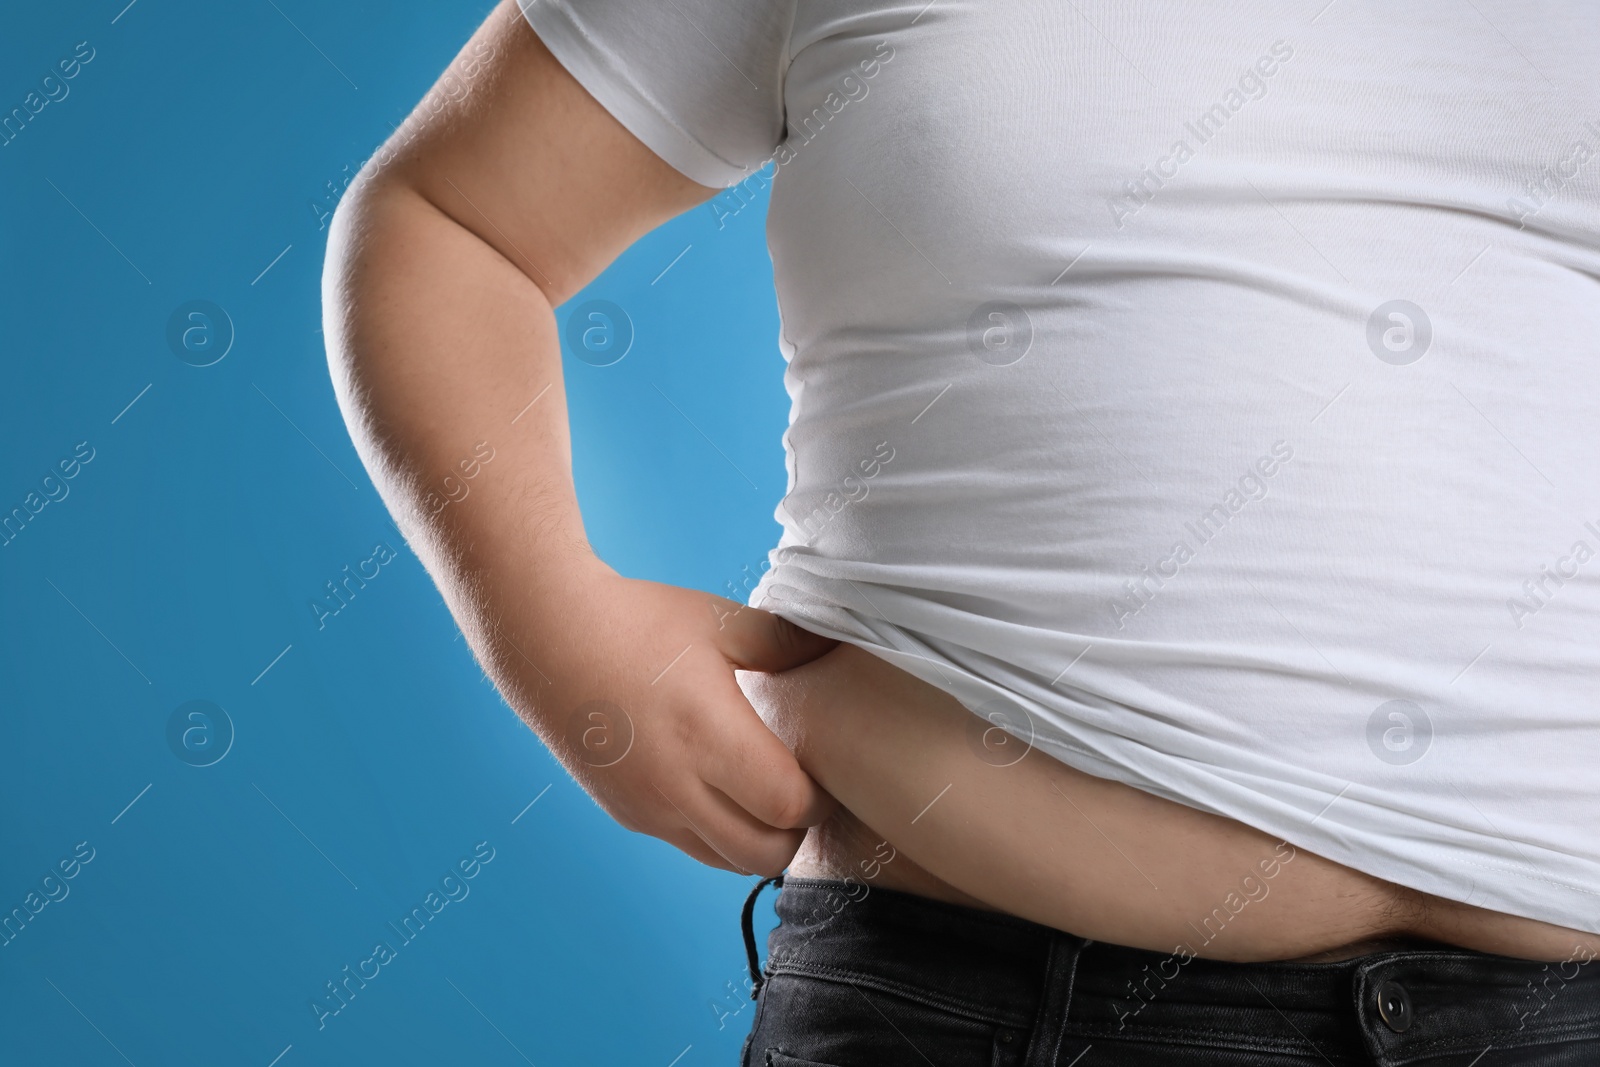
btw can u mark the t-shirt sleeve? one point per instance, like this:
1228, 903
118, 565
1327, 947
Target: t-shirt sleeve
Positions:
698, 81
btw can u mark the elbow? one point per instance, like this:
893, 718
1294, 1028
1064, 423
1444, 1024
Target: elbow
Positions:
342, 276
353, 276
356, 267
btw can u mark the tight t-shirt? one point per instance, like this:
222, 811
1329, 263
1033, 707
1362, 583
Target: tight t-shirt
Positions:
1205, 394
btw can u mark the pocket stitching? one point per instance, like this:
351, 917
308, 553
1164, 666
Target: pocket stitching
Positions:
918, 994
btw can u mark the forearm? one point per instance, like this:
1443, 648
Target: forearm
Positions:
442, 351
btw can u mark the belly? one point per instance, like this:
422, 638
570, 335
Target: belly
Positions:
931, 806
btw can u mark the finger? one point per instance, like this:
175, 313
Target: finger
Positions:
735, 835
771, 850
756, 640
753, 767
694, 846
676, 832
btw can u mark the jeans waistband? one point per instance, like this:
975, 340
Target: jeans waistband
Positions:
1391, 1005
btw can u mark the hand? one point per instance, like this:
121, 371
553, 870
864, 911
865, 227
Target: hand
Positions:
637, 698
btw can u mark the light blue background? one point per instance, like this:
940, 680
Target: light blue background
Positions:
372, 755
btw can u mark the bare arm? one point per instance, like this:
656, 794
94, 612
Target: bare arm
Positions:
445, 260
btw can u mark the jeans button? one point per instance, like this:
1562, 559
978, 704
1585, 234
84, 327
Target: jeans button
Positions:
1394, 1006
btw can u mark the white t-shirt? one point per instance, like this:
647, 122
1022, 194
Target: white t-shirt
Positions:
1208, 393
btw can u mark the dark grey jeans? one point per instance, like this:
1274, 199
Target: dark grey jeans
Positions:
858, 976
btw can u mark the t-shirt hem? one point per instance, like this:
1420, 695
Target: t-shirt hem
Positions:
1563, 902
587, 61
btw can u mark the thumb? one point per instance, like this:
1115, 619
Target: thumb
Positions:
757, 640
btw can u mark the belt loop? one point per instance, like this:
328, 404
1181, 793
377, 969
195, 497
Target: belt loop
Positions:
747, 922
1055, 999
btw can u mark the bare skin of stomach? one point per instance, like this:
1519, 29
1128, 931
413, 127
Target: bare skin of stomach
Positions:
921, 812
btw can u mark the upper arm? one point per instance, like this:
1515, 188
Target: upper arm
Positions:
515, 150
